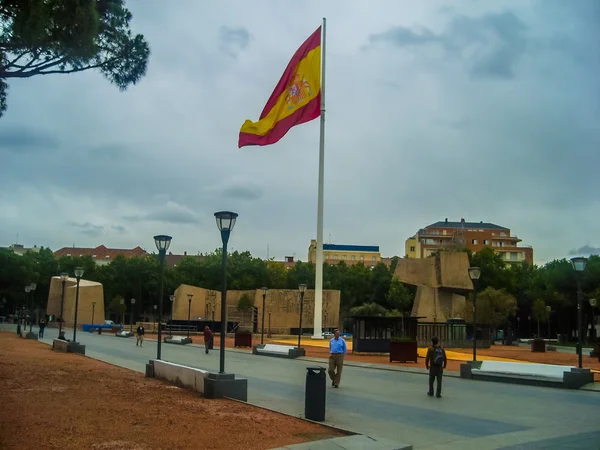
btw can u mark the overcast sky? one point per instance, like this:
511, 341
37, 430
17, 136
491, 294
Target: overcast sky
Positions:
483, 110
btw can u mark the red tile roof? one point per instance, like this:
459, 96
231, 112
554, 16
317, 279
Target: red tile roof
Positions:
101, 252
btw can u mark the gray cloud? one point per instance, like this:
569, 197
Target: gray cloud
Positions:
585, 250
170, 212
233, 40
119, 228
88, 229
26, 139
490, 45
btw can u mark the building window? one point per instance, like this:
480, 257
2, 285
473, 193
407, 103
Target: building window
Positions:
486, 242
412, 249
502, 233
444, 232
435, 231
345, 257
362, 258
374, 258
68, 254
474, 242
514, 256
353, 257
500, 244
335, 257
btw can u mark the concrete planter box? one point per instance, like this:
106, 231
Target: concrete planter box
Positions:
242, 340
403, 351
32, 336
278, 351
68, 347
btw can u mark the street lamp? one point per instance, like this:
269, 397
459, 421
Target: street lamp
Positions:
32, 288
162, 242
225, 223
93, 311
474, 274
155, 306
302, 289
78, 275
593, 302
549, 309
63, 277
28, 300
262, 327
122, 302
131, 319
171, 299
579, 264
190, 296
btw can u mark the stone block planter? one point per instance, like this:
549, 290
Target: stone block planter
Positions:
403, 351
179, 340
242, 340
538, 346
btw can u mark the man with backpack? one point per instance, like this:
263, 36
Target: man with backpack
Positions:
140, 336
435, 361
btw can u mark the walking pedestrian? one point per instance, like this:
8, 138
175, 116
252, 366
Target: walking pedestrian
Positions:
208, 339
42, 327
140, 336
337, 350
435, 361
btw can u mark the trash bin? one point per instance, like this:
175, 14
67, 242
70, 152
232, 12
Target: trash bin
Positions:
316, 394
99, 330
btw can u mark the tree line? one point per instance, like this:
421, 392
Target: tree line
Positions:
516, 293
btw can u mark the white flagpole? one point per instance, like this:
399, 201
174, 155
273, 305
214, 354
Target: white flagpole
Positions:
318, 324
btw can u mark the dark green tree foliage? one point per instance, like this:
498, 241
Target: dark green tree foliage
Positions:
42, 37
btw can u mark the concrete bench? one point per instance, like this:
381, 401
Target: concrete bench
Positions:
279, 351
124, 334
182, 376
179, 340
60, 345
548, 375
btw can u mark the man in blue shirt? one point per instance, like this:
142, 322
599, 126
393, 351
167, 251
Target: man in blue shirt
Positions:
337, 350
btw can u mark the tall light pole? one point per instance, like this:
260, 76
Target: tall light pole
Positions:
93, 311
63, 277
262, 327
131, 319
190, 296
474, 274
123, 307
162, 242
28, 300
32, 288
172, 300
78, 275
593, 303
549, 309
579, 264
225, 223
155, 307
302, 289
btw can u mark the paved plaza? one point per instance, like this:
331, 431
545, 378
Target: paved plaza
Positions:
392, 404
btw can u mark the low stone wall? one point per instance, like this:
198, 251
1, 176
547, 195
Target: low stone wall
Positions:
182, 376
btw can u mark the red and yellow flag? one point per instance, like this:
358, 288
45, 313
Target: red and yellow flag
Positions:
295, 100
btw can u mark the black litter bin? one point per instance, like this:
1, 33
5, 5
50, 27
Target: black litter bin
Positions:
99, 330
316, 394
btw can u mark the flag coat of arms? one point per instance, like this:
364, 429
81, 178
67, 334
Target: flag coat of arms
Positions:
295, 100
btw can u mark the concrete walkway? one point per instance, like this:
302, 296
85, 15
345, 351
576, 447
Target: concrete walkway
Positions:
392, 404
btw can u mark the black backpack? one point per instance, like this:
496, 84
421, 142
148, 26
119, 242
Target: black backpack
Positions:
438, 356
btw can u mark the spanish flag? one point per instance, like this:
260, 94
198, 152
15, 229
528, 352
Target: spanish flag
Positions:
295, 100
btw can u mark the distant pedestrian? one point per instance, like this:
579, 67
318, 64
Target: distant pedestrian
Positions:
337, 350
435, 361
208, 339
140, 336
42, 327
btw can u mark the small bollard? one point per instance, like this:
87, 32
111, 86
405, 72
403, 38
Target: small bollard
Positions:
19, 330
316, 394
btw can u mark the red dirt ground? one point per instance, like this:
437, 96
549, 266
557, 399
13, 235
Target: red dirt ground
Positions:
66, 401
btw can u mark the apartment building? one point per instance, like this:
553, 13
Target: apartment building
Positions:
369, 255
473, 235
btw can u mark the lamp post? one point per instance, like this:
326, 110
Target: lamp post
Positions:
93, 311
474, 274
63, 277
28, 300
190, 296
225, 223
579, 264
122, 302
32, 288
269, 333
302, 289
131, 319
155, 306
78, 275
162, 242
593, 302
262, 327
172, 300
549, 309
